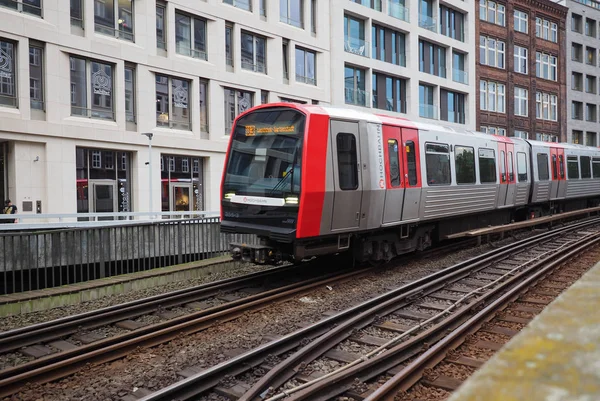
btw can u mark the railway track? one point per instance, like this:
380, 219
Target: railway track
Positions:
380, 335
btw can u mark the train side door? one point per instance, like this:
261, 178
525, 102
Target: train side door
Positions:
510, 175
394, 171
562, 182
347, 198
503, 187
412, 174
554, 173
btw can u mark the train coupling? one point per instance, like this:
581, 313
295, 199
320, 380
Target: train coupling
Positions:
258, 254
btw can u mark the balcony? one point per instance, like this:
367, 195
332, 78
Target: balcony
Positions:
356, 46
189, 52
460, 76
356, 97
428, 111
398, 11
427, 22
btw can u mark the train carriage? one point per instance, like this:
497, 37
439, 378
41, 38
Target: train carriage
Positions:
313, 180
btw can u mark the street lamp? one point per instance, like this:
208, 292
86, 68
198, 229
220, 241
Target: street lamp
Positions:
149, 163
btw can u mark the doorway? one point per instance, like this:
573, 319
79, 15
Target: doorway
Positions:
181, 195
103, 197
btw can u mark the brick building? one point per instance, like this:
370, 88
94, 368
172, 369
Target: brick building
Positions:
521, 69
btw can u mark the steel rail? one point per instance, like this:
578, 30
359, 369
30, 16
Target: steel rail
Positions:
47, 331
368, 369
203, 381
55, 366
408, 376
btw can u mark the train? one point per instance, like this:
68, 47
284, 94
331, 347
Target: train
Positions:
313, 180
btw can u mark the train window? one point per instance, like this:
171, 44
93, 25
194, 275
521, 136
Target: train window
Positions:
511, 171
554, 169
487, 165
586, 168
464, 159
437, 159
502, 166
596, 167
411, 160
542, 164
347, 161
572, 167
561, 166
394, 162
522, 166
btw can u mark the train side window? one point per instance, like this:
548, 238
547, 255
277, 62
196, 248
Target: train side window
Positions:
586, 169
487, 165
596, 167
502, 166
522, 166
561, 166
394, 162
411, 161
542, 163
572, 168
511, 171
464, 159
437, 159
554, 169
347, 161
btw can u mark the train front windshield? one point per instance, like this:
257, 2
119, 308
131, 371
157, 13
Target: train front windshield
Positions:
266, 154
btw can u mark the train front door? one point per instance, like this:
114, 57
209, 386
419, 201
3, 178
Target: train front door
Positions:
348, 186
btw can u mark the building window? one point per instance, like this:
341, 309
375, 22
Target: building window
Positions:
590, 112
305, 66
286, 58
77, 13
590, 55
291, 12
389, 93
437, 161
487, 165
354, 36
577, 110
522, 135
492, 96
492, 12
36, 77
577, 137
426, 19
254, 52
8, 78
459, 74
182, 187
590, 84
203, 105
545, 66
572, 167
577, 52
172, 100
98, 93
521, 20
576, 22
545, 106
388, 45
590, 140
130, 93
577, 81
521, 61
236, 102
374, 4
546, 30
491, 52
242, 4
32, 7
521, 102
432, 59
229, 44
354, 86
313, 16
161, 37
464, 160
190, 36
262, 6
452, 23
264, 97
493, 130
120, 27
426, 106
452, 107
590, 27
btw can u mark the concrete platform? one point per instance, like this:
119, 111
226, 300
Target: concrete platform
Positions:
555, 358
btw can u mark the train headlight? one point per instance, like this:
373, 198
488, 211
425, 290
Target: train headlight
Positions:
291, 200
229, 195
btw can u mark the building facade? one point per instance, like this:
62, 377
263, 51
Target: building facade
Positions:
410, 59
82, 81
521, 69
583, 45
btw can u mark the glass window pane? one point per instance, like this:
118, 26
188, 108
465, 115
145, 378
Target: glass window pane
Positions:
179, 106
102, 88
78, 87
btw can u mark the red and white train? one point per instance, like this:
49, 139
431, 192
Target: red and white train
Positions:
312, 180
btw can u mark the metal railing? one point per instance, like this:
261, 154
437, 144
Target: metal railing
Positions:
92, 113
32, 259
243, 4
398, 11
356, 46
305, 80
256, 67
22, 7
427, 22
188, 51
428, 111
357, 97
78, 22
37, 104
460, 76
399, 106
290, 21
373, 4
10, 101
116, 33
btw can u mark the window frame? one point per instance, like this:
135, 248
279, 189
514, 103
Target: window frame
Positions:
37, 75
353, 163
93, 79
498, 51
522, 18
458, 171
520, 58
171, 123
306, 79
499, 96
192, 51
447, 179
546, 62
286, 19
521, 95
256, 65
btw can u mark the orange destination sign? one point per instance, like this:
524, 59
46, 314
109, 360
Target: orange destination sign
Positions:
251, 130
